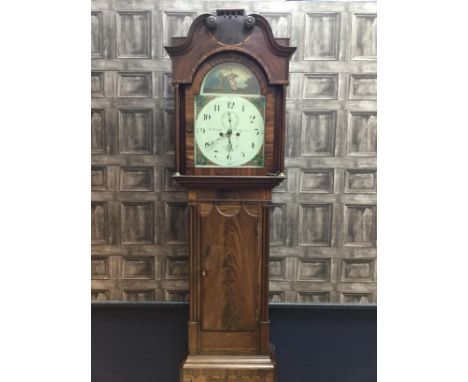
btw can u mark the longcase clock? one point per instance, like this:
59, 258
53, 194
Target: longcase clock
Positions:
230, 76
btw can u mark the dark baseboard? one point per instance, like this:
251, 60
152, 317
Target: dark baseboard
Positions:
143, 342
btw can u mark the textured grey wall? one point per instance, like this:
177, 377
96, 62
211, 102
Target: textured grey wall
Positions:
323, 232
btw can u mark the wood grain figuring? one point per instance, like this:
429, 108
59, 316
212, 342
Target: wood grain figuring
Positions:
229, 376
230, 261
228, 369
246, 195
228, 314
229, 342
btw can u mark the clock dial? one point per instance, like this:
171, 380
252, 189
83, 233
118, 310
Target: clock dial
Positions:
230, 132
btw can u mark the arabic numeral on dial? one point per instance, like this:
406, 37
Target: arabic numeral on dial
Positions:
230, 104
243, 107
253, 144
206, 117
252, 118
228, 157
216, 107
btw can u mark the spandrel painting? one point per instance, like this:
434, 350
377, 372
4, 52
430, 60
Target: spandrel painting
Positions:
230, 78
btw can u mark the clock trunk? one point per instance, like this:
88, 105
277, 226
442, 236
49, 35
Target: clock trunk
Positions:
228, 246
230, 260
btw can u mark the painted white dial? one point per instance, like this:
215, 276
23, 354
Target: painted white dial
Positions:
229, 131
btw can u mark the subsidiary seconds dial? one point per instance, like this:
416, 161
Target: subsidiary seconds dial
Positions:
230, 131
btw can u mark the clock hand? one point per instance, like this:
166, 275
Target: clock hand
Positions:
229, 144
233, 122
208, 145
229, 132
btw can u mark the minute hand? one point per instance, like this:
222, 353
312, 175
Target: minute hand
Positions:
229, 133
215, 141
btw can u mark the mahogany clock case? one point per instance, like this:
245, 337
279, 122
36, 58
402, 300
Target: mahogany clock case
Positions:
193, 57
228, 206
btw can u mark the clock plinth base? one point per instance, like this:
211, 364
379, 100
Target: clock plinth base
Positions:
229, 368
